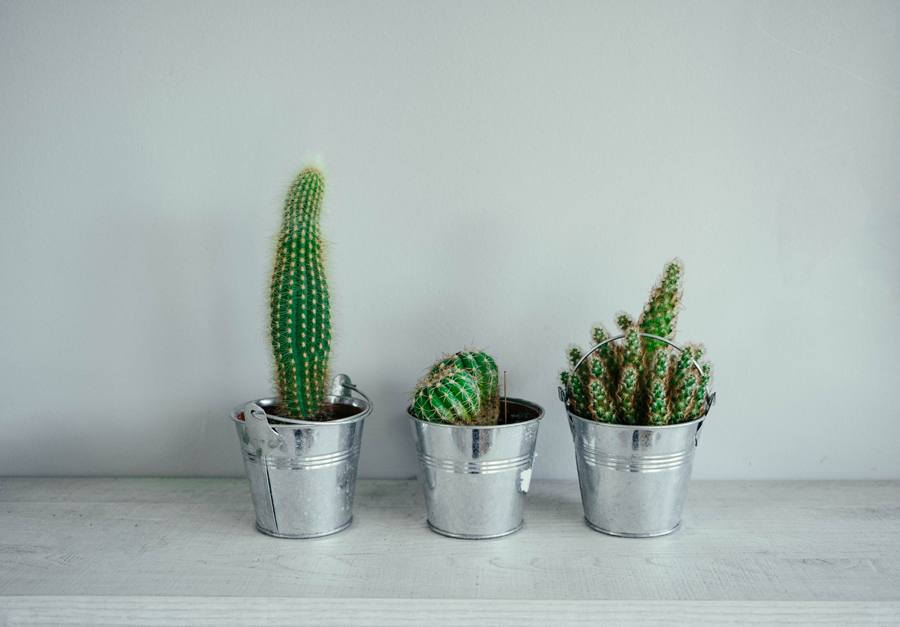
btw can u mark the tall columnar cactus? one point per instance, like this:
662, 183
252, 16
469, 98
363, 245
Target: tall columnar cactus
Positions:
300, 316
639, 380
463, 388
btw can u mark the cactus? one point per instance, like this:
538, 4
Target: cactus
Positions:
680, 381
484, 369
602, 407
448, 394
638, 380
462, 388
624, 321
578, 382
628, 414
608, 368
657, 404
661, 311
300, 322
629, 388
699, 402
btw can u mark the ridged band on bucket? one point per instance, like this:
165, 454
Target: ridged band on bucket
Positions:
475, 468
475, 479
628, 463
303, 474
634, 479
304, 463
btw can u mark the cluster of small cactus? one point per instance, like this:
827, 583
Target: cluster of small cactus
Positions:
460, 389
300, 322
638, 380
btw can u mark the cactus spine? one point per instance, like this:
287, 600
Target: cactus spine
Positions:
300, 322
463, 388
639, 380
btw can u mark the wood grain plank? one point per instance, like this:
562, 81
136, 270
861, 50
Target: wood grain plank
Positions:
825, 541
30, 611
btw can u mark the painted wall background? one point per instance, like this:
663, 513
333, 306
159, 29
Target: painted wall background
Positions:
502, 175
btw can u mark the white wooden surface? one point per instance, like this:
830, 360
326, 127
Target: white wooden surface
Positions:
184, 551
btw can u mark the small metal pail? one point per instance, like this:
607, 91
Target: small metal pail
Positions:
634, 479
475, 479
302, 473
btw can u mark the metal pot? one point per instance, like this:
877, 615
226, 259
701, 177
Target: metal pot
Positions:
303, 474
475, 479
634, 479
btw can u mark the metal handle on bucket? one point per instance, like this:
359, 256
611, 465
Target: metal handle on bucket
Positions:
261, 435
265, 439
564, 393
341, 385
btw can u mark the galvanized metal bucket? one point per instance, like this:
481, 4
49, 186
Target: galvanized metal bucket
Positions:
303, 474
475, 479
634, 479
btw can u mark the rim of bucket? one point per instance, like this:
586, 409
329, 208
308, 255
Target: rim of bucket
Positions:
520, 401
630, 427
265, 403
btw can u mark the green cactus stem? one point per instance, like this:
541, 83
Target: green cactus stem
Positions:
602, 407
699, 406
657, 405
678, 371
578, 383
480, 365
300, 323
448, 395
661, 311
683, 398
633, 347
628, 414
484, 369
609, 358
639, 380
624, 321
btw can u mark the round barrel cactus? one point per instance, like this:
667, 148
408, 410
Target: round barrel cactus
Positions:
445, 394
448, 395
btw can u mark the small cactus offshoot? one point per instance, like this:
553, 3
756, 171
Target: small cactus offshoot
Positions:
637, 380
461, 389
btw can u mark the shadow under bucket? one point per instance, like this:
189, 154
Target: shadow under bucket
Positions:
474, 478
302, 473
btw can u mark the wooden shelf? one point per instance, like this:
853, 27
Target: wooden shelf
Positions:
185, 552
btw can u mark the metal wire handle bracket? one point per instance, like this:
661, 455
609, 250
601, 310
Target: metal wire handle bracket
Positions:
259, 434
341, 385
565, 392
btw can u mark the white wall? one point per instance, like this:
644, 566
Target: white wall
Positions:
502, 175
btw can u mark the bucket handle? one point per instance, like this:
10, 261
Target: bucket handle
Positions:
260, 435
341, 385
565, 392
